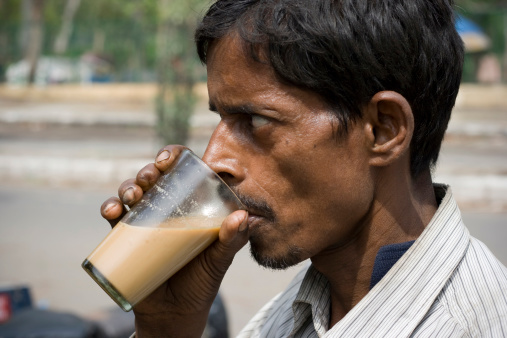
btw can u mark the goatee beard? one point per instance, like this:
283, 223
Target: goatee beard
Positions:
291, 258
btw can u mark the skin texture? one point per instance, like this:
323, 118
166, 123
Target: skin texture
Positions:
286, 155
311, 191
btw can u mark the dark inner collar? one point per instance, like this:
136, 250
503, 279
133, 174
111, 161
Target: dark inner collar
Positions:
386, 257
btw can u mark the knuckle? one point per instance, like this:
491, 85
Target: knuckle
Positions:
147, 176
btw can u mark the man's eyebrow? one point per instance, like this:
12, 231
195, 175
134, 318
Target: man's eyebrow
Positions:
248, 109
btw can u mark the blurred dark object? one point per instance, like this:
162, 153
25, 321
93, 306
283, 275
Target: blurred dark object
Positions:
112, 323
13, 299
217, 325
21, 320
99, 68
115, 323
47, 324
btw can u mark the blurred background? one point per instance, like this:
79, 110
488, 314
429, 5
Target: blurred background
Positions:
90, 90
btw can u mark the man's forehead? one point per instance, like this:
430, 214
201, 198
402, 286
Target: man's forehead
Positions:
238, 83
233, 75
233, 48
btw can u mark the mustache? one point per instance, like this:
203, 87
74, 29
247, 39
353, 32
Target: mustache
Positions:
257, 206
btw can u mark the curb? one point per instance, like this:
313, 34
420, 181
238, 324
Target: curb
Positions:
64, 170
135, 119
479, 192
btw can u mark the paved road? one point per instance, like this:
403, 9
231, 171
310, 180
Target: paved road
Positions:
45, 234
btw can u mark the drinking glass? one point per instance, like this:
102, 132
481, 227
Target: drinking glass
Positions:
172, 223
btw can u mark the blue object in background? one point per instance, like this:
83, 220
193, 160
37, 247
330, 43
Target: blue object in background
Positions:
464, 25
474, 38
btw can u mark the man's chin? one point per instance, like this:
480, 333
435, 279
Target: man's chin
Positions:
280, 262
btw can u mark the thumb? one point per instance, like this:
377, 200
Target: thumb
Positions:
232, 237
234, 229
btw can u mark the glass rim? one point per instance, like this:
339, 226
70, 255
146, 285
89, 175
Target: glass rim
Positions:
207, 167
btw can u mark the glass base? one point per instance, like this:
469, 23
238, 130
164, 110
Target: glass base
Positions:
106, 286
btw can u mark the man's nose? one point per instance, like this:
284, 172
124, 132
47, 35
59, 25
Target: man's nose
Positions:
223, 155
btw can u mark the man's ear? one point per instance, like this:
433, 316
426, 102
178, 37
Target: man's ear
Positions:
390, 126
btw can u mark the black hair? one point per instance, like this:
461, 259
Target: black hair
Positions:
348, 50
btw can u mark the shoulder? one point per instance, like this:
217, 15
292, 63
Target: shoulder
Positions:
480, 275
475, 295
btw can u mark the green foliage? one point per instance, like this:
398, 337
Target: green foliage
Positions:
182, 11
480, 5
491, 16
128, 29
177, 68
10, 47
9, 11
139, 37
174, 115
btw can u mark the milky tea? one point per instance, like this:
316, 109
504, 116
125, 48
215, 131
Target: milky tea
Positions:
174, 221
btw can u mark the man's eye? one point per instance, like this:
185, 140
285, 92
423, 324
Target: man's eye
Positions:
259, 121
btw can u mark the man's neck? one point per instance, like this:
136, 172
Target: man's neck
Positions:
399, 213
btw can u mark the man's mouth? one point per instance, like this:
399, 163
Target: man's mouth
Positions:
254, 220
258, 210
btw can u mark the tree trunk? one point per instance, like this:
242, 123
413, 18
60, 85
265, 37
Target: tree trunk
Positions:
26, 15
99, 40
35, 38
62, 40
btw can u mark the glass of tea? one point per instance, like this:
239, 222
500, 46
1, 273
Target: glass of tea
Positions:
172, 223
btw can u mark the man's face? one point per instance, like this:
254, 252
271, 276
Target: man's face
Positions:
306, 187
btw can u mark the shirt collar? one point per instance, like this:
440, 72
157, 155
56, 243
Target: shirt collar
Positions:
414, 282
313, 300
408, 289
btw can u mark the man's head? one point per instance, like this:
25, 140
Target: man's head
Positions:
346, 51
315, 96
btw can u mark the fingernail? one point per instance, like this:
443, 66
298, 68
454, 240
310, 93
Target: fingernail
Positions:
244, 225
109, 207
163, 156
128, 196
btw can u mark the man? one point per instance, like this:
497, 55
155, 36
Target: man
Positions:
332, 115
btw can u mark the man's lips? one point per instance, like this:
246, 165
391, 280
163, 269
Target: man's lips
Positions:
254, 219
258, 209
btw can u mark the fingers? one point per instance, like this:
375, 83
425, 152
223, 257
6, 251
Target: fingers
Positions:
132, 190
147, 176
113, 210
129, 192
166, 156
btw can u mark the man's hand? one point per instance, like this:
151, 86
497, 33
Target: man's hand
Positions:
179, 308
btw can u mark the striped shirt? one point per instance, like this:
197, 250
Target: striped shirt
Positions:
447, 284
